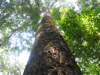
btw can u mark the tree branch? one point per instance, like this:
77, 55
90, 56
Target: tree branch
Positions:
18, 69
12, 34
53, 3
95, 6
44, 9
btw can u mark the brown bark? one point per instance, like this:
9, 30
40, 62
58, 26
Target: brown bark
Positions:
50, 54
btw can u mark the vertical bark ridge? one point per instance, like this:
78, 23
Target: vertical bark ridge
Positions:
50, 54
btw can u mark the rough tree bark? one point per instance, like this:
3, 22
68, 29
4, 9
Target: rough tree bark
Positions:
50, 54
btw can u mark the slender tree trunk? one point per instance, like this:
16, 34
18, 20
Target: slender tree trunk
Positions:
50, 54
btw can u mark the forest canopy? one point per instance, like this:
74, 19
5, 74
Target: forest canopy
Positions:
80, 28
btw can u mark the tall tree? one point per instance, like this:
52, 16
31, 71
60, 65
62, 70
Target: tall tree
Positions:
20, 20
50, 54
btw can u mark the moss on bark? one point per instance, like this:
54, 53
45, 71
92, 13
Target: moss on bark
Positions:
50, 54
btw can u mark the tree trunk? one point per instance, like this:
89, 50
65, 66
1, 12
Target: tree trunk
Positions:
50, 54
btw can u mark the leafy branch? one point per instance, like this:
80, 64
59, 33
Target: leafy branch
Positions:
45, 9
53, 3
95, 6
13, 33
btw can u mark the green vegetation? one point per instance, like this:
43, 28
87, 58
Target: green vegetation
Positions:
20, 19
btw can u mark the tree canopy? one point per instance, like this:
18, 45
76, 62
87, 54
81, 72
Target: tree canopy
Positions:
20, 19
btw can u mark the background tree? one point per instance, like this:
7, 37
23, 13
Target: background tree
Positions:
19, 21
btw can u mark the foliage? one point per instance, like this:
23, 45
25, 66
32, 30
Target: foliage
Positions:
81, 31
87, 4
9, 65
17, 14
